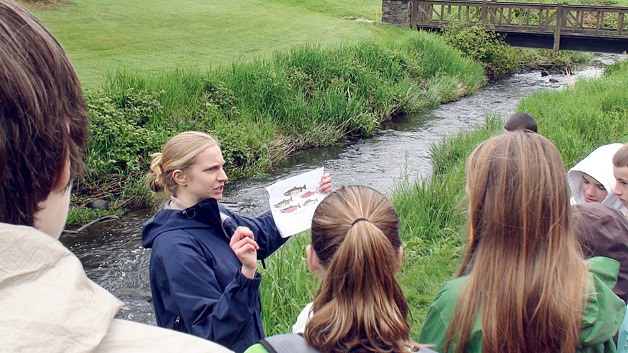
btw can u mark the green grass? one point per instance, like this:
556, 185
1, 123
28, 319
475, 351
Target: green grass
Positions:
433, 212
161, 35
580, 119
287, 285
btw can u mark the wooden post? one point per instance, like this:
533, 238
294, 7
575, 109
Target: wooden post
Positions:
484, 10
414, 14
423, 9
559, 25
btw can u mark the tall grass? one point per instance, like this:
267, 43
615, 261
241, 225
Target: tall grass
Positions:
433, 211
287, 285
263, 110
582, 118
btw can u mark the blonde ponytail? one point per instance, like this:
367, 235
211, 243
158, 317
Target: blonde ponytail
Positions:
155, 176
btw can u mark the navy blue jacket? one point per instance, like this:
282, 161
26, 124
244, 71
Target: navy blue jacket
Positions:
195, 277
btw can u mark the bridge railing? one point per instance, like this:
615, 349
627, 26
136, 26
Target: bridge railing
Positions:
607, 21
595, 19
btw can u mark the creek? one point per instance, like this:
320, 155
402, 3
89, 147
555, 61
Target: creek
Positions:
113, 257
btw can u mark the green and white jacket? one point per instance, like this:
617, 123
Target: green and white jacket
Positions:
603, 314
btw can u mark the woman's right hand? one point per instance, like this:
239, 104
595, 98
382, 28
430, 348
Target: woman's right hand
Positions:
245, 248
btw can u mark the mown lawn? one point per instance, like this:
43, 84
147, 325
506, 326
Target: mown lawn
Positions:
151, 37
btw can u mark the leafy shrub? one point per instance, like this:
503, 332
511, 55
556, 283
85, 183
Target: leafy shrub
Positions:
481, 43
119, 140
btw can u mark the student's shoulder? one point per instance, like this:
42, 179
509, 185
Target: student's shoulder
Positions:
257, 348
127, 336
286, 343
450, 290
604, 268
174, 236
604, 310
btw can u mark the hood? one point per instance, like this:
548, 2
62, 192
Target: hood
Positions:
205, 214
48, 304
604, 310
599, 165
603, 231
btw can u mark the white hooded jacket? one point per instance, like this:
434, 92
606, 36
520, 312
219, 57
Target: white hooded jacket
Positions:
49, 305
599, 165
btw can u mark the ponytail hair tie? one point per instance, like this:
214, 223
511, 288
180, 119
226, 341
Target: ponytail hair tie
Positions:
358, 220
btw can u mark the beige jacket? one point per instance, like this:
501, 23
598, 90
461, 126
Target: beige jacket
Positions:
47, 304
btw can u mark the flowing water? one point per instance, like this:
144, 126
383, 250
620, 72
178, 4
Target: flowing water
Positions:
113, 257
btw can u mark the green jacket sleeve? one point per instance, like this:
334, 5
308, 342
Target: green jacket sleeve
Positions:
604, 310
434, 328
437, 319
622, 341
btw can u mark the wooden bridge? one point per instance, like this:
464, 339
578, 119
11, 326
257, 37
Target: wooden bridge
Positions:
537, 25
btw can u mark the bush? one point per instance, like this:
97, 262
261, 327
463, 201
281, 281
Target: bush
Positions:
481, 43
120, 141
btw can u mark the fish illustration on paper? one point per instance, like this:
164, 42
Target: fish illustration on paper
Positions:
283, 203
290, 209
308, 194
294, 190
309, 202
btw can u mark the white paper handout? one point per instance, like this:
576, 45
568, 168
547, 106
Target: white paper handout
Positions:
293, 201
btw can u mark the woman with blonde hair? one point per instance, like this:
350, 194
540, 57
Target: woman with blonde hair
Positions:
523, 286
356, 251
203, 265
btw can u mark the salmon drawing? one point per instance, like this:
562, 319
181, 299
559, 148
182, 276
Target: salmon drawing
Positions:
283, 203
308, 194
289, 209
294, 190
310, 202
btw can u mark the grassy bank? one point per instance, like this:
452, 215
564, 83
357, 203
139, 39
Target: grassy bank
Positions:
433, 212
263, 110
153, 37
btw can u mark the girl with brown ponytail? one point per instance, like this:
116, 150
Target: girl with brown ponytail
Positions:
356, 251
523, 286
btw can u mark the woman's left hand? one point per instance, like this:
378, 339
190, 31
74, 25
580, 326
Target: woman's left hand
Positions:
325, 184
245, 248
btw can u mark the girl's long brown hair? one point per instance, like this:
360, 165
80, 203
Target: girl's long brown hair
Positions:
526, 278
359, 306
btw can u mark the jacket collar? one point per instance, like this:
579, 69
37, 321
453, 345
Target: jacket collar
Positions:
205, 211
